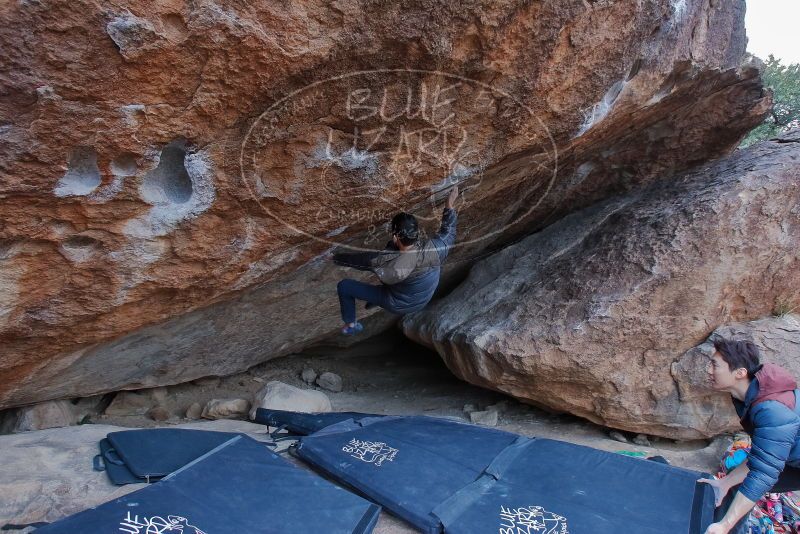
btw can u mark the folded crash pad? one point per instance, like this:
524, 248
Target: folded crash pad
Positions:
304, 423
240, 486
146, 455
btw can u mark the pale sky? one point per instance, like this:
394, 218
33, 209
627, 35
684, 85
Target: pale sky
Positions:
773, 27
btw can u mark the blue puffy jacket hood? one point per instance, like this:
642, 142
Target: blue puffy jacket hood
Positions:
769, 414
775, 383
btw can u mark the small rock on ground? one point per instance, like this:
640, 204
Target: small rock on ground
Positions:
225, 408
330, 381
279, 396
129, 403
159, 395
159, 413
485, 418
194, 411
617, 436
641, 439
499, 407
308, 375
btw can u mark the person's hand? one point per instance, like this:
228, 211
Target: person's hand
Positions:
717, 528
720, 487
451, 199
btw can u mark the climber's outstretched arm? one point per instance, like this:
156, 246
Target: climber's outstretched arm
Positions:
357, 260
446, 236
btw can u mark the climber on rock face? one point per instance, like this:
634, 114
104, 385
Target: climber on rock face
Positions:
407, 268
765, 398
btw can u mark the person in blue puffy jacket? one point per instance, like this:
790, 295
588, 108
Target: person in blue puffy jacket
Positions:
408, 268
765, 398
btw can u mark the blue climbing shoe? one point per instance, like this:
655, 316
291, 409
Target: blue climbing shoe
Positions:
352, 330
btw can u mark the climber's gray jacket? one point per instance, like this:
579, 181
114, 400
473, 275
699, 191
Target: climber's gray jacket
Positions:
411, 277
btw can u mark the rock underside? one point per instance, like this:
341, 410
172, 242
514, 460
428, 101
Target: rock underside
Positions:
173, 175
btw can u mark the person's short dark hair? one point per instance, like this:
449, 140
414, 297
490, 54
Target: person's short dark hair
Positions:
404, 226
739, 354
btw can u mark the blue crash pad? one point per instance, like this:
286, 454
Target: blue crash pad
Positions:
146, 455
561, 487
406, 464
465, 479
240, 486
304, 423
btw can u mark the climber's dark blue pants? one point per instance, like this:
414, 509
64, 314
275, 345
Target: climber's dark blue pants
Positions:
349, 290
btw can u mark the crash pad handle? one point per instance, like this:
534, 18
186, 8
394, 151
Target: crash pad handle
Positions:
116, 460
97, 463
274, 433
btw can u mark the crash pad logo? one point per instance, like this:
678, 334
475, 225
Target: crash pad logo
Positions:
531, 520
133, 524
371, 452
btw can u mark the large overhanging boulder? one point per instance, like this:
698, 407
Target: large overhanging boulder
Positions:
171, 175
596, 314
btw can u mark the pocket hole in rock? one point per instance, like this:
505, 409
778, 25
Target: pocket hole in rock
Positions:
124, 165
79, 248
82, 176
169, 182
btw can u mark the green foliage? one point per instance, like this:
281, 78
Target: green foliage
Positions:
784, 80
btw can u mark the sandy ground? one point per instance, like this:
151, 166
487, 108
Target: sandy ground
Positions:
390, 375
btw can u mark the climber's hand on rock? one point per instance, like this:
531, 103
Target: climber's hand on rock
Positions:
451, 199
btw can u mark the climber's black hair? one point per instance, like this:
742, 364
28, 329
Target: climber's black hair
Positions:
404, 226
739, 354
